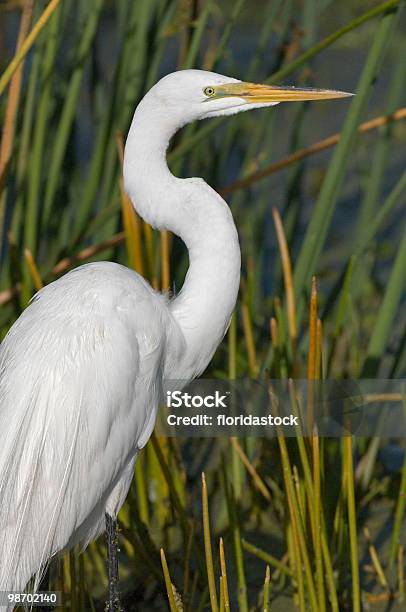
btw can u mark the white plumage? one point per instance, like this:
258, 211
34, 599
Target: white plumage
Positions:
80, 380
81, 370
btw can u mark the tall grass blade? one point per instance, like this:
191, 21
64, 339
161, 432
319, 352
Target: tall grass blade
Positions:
23, 155
399, 513
381, 155
381, 214
298, 528
265, 556
10, 116
257, 480
224, 582
249, 339
267, 583
49, 45
288, 280
222, 44
198, 34
69, 108
73, 582
375, 560
34, 272
329, 40
387, 311
232, 374
27, 44
401, 573
320, 222
165, 263
237, 542
169, 587
352, 523
301, 154
207, 547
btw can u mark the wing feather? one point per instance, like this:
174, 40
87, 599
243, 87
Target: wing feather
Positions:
80, 378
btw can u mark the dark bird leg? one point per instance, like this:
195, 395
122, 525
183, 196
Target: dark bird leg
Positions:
113, 603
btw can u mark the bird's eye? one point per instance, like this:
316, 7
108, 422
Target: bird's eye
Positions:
209, 91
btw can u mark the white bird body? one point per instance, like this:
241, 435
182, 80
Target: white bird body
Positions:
79, 396
82, 369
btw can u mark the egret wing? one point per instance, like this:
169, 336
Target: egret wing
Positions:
80, 377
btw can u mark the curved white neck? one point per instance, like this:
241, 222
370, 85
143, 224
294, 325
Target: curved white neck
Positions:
196, 213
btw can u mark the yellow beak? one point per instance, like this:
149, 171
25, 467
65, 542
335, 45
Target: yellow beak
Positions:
254, 93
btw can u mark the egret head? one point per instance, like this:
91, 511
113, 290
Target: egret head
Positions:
198, 94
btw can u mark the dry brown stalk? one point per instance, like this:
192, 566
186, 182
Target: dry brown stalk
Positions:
249, 339
326, 143
34, 272
131, 219
311, 360
67, 262
165, 253
259, 483
28, 42
13, 99
287, 276
274, 332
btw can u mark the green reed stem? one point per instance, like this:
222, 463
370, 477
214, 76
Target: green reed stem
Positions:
232, 374
26, 46
323, 213
212, 126
370, 204
23, 154
207, 547
198, 34
381, 214
168, 583
69, 108
264, 556
267, 583
329, 40
399, 512
352, 523
309, 487
222, 44
298, 528
237, 542
142, 493
73, 581
40, 133
387, 311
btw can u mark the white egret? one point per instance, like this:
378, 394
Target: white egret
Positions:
82, 368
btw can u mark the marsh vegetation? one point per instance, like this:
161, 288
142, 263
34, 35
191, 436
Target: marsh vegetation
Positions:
318, 194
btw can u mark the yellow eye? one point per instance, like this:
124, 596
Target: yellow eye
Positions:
209, 91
